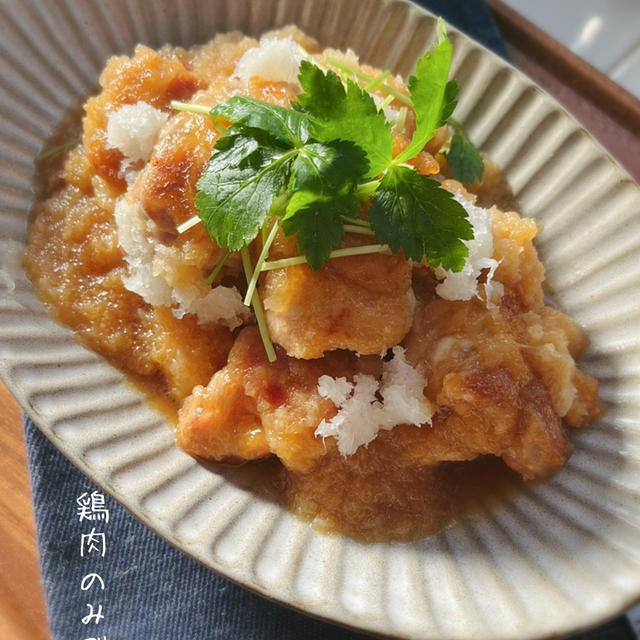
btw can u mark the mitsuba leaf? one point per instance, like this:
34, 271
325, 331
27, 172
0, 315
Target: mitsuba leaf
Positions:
317, 221
232, 150
431, 94
287, 126
465, 160
330, 168
414, 214
237, 188
339, 113
449, 101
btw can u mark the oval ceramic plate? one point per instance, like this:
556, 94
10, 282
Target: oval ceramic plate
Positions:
553, 558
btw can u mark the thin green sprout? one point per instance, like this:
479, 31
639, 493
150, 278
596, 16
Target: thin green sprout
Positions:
457, 127
48, 153
402, 119
377, 81
337, 253
362, 223
386, 102
261, 259
367, 189
216, 270
198, 108
347, 68
191, 107
343, 66
257, 308
355, 228
185, 226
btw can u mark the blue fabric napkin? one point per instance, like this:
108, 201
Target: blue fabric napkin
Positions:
108, 577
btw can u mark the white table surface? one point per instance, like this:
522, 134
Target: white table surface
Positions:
606, 33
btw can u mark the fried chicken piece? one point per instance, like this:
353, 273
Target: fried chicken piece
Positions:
489, 401
166, 186
503, 378
252, 407
362, 303
148, 77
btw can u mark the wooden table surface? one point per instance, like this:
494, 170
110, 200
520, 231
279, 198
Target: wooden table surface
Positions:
611, 114
22, 610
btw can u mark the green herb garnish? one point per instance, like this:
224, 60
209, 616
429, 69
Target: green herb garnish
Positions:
54, 151
413, 214
464, 159
307, 170
339, 112
433, 96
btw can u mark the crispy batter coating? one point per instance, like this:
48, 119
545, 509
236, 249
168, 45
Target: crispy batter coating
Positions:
362, 303
146, 76
252, 408
489, 401
166, 186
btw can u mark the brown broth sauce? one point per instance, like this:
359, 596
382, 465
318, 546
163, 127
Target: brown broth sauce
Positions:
449, 493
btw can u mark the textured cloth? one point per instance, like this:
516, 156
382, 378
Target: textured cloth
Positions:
150, 589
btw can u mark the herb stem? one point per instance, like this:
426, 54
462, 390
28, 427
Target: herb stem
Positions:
402, 119
185, 226
257, 307
336, 253
456, 125
191, 107
202, 109
386, 102
216, 270
361, 75
346, 68
253, 282
398, 95
366, 189
52, 151
379, 79
356, 228
362, 223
